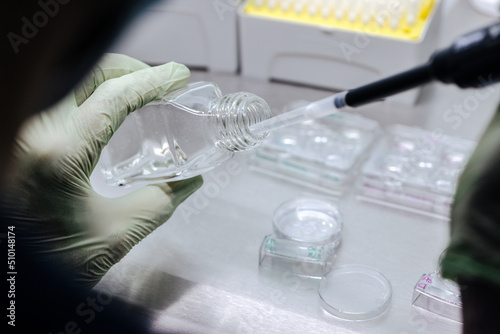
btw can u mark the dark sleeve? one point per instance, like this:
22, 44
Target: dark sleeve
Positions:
474, 249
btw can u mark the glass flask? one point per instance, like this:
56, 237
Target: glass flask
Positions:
186, 133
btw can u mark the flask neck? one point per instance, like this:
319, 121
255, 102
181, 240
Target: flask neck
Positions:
236, 113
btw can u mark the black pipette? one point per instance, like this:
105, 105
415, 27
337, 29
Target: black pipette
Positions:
473, 61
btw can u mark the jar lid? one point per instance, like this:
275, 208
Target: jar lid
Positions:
355, 292
309, 220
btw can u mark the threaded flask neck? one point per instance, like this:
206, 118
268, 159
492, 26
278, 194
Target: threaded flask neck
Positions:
236, 113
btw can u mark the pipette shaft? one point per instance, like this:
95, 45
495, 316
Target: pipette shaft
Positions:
313, 110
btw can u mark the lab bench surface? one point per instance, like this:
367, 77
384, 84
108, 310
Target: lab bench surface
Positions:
199, 272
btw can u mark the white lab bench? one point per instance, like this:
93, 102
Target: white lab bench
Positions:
199, 272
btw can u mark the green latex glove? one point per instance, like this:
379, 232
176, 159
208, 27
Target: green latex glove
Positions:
474, 251
54, 209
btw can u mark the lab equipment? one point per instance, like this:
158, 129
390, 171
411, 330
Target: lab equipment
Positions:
415, 170
439, 296
197, 33
298, 258
470, 62
186, 133
336, 44
308, 220
355, 292
320, 154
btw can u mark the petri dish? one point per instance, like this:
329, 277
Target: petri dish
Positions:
309, 220
355, 292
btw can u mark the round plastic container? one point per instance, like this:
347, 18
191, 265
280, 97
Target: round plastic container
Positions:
308, 220
355, 292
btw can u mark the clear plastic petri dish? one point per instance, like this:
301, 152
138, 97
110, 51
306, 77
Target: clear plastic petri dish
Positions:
355, 292
309, 220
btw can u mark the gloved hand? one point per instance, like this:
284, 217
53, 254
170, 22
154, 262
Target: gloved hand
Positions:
474, 250
56, 214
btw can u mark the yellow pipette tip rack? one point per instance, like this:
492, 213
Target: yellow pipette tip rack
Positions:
400, 19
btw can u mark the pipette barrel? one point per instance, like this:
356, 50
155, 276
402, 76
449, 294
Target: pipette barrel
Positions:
313, 110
